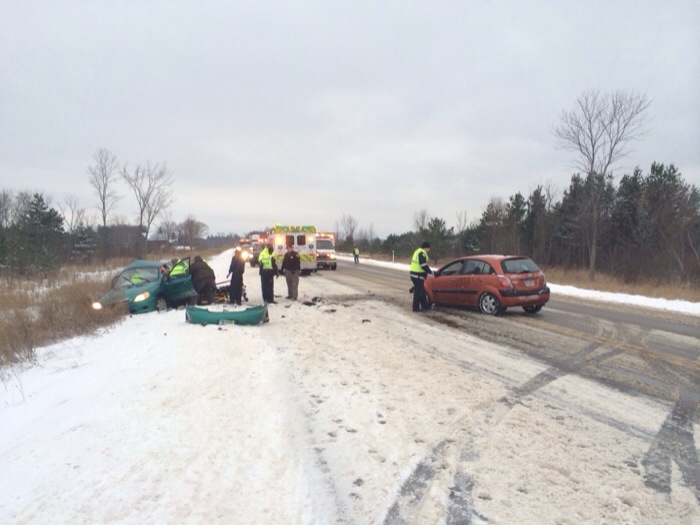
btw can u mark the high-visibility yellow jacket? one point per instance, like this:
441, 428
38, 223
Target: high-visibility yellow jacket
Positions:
419, 265
265, 259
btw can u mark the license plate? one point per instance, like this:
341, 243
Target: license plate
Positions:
529, 282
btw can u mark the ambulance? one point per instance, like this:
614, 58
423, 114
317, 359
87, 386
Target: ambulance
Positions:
325, 250
301, 238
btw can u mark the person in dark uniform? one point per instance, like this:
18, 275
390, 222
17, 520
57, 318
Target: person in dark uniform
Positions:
235, 271
419, 269
291, 267
203, 279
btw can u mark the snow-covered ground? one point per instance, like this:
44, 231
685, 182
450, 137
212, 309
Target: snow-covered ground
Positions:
326, 414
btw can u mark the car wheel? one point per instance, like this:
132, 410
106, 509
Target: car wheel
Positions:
161, 304
489, 305
333, 267
533, 309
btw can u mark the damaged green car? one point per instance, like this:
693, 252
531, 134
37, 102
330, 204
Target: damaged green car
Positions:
145, 286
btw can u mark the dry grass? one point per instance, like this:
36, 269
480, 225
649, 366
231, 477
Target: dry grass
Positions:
37, 314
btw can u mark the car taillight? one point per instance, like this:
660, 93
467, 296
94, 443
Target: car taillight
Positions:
504, 281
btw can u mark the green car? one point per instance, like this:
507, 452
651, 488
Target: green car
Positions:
150, 285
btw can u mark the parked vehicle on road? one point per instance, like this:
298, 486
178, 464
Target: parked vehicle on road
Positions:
491, 283
145, 286
325, 250
246, 246
258, 242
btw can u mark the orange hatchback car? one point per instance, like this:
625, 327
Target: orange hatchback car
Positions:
490, 282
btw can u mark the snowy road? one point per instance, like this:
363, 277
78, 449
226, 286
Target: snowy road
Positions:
348, 410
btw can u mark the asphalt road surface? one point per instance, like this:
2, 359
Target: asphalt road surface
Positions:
635, 350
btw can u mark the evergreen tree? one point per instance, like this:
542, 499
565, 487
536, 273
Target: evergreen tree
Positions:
441, 238
516, 211
569, 239
671, 214
629, 236
491, 229
40, 237
535, 235
83, 243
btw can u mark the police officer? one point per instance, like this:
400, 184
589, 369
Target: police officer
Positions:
419, 269
291, 266
268, 271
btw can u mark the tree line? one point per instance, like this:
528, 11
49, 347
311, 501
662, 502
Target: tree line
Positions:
37, 238
647, 228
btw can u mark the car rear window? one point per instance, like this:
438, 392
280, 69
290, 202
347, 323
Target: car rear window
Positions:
519, 265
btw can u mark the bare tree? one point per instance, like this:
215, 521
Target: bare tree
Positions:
102, 177
462, 221
73, 215
191, 229
599, 129
349, 225
152, 187
361, 237
338, 238
493, 220
420, 220
5, 208
168, 227
21, 205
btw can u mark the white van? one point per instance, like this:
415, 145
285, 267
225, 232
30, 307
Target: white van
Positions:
325, 250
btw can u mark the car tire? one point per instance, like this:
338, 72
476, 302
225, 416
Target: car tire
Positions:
533, 309
333, 267
489, 304
161, 304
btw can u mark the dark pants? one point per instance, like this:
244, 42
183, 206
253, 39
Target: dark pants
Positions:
206, 292
267, 281
235, 292
420, 300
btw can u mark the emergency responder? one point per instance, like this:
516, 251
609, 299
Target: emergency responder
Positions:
268, 271
203, 279
291, 267
235, 270
178, 266
419, 269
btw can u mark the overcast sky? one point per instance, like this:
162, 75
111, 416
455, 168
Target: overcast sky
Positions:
300, 112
